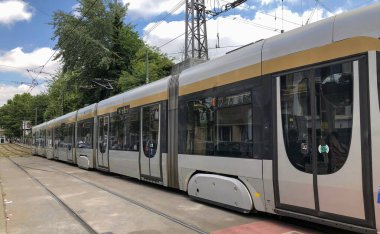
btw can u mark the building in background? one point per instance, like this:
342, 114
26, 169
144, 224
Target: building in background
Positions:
3, 139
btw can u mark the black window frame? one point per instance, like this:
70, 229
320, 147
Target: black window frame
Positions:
133, 146
261, 94
78, 138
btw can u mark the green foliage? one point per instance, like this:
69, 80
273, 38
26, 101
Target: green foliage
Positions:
22, 107
158, 67
101, 49
63, 95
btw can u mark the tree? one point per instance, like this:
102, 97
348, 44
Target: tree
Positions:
22, 107
98, 49
63, 95
158, 67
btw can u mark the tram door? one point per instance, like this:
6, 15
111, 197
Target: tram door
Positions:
150, 152
102, 151
319, 161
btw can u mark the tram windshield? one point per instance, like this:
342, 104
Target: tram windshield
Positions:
327, 107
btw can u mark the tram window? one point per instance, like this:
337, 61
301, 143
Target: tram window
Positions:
200, 126
334, 99
63, 135
231, 121
38, 138
151, 117
85, 134
43, 138
66, 136
296, 119
132, 130
57, 135
116, 131
333, 91
234, 131
125, 131
48, 137
70, 135
34, 139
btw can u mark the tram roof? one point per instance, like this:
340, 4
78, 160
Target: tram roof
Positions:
152, 92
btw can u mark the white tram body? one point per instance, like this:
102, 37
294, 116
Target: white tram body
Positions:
288, 125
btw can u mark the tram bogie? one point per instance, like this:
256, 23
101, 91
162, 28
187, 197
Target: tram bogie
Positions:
286, 125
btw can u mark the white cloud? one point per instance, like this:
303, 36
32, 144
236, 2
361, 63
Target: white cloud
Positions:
234, 30
149, 8
9, 91
32, 61
12, 11
266, 2
75, 10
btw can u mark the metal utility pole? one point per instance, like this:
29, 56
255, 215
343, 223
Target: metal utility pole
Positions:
195, 32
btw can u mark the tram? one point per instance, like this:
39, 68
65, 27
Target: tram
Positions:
288, 125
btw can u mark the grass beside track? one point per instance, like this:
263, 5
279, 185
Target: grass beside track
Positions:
12, 150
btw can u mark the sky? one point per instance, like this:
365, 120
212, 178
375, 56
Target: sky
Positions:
27, 43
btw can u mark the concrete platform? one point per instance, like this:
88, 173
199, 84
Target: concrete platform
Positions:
111, 204
28, 208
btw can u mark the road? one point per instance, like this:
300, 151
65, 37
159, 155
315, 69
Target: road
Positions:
46, 196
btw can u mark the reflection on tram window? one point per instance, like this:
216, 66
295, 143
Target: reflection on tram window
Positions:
34, 139
62, 135
234, 126
124, 131
132, 131
296, 119
116, 131
200, 126
48, 138
85, 134
333, 90
37, 138
334, 99
69, 136
215, 128
151, 117
57, 135
103, 134
228, 121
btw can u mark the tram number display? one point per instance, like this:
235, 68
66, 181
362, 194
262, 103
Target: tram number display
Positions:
123, 110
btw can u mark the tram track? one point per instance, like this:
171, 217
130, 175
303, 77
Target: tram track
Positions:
114, 193
74, 214
8, 150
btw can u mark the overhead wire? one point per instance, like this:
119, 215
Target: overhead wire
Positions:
255, 24
324, 6
312, 13
163, 18
265, 13
210, 48
34, 7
